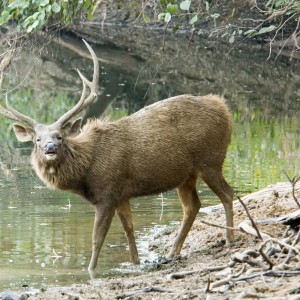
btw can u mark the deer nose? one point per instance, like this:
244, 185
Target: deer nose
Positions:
50, 147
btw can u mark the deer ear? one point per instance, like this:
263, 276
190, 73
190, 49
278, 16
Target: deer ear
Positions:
22, 133
72, 128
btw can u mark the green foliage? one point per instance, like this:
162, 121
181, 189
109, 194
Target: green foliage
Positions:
277, 12
276, 5
262, 30
36, 14
178, 9
187, 13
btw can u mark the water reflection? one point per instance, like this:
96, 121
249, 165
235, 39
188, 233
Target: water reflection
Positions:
45, 236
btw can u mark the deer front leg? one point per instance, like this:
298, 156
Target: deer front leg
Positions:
103, 218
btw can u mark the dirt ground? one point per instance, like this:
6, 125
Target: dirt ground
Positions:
204, 251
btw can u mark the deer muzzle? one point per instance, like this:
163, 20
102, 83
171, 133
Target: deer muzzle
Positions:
51, 151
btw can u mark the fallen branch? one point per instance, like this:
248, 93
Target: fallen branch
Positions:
270, 273
247, 228
249, 216
228, 279
219, 226
247, 295
291, 251
265, 257
181, 275
246, 258
144, 290
287, 246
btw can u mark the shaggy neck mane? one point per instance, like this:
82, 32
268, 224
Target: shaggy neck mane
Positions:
69, 170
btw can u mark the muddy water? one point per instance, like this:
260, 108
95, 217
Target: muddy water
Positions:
45, 236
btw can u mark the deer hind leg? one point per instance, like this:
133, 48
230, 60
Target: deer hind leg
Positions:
190, 204
217, 183
124, 212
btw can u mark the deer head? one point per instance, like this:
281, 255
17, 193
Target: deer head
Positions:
48, 139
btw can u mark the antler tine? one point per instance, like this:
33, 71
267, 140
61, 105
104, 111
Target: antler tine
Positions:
12, 114
4, 112
84, 101
19, 116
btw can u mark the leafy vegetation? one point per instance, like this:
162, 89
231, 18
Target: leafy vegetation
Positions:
189, 14
181, 10
279, 13
37, 14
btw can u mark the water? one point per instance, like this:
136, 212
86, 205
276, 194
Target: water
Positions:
45, 235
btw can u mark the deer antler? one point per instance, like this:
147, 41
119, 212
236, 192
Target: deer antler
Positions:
12, 114
84, 100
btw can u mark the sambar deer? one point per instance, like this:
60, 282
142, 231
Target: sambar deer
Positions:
163, 146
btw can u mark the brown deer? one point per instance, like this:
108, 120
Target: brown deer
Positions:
163, 146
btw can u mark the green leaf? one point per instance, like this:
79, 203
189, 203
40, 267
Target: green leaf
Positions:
267, 29
44, 2
32, 17
172, 8
90, 15
4, 18
168, 17
56, 7
48, 8
161, 17
250, 32
17, 4
147, 20
42, 15
185, 5
207, 6
134, 4
33, 26
194, 19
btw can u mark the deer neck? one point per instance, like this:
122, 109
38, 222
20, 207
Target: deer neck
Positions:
69, 170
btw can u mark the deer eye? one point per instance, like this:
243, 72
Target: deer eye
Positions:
38, 139
59, 137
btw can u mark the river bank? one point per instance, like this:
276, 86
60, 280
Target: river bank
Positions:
224, 23
207, 269
204, 248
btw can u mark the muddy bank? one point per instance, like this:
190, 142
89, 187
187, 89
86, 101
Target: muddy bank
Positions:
123, 25
204, 270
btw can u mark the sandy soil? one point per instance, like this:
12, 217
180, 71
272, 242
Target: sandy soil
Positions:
203, 249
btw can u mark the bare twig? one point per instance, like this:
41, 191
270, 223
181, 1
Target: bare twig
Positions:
270, 273
265, 257
149, 289
247, 228
246, 258
293, 182
292, 37
181, 275
249, 216
291, 251
219, 226
207, 290
228, 279
287, 246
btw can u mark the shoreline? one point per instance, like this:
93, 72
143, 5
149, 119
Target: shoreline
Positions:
204, 249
